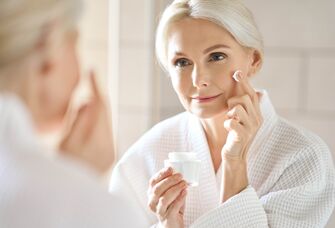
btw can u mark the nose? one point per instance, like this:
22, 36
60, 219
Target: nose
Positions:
199, 77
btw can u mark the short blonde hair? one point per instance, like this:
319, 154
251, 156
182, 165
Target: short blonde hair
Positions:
232, 15
23, 22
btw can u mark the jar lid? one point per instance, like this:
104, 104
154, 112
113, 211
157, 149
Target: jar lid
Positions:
182, 156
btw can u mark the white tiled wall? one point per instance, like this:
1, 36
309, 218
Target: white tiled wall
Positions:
321, 83
135, 75
280, 76
94, 38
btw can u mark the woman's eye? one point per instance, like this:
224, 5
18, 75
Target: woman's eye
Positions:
217, 56
181, 62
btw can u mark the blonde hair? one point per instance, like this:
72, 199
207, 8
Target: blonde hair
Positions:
23, 22
232, 15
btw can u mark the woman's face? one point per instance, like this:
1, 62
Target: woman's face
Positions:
60, 80
202, 58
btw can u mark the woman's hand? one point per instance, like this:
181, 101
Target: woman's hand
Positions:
167, 195
89, 138
244, 119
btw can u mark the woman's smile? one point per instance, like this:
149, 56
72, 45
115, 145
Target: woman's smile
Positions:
205, 99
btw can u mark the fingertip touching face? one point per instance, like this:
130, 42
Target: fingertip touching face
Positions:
202, 58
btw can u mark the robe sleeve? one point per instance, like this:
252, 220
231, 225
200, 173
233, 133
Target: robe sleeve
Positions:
122, 186
303, 196
39, 192
242, 210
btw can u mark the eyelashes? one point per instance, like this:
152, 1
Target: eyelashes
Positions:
217, 56
213, 57
182, 62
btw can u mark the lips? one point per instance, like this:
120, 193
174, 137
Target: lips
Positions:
203, 99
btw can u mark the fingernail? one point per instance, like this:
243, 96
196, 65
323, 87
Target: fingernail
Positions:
260, 95
183, 184
179, 176
183, 193
238, 76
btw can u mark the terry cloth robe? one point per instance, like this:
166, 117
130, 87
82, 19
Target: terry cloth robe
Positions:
290, 172
39, 192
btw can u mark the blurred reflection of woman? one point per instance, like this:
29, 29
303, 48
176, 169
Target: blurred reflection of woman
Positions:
38, 73
258, 170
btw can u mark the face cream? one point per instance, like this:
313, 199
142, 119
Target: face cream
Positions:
185, 163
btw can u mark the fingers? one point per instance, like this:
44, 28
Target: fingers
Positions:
78, 131
244, 83
157, 191
256, 102
250, 101
178, 205
170, 196
162, 174
239, 114
249, 108
235, 126
94, 84
246, 87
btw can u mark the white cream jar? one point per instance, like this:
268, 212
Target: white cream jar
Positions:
185, 163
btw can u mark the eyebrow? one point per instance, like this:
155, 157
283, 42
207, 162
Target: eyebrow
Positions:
206, 50
180, 53
215, 47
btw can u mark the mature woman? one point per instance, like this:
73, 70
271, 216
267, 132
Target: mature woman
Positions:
257, 170
38, 73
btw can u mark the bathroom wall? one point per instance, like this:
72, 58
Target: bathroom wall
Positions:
136, 77
93, 42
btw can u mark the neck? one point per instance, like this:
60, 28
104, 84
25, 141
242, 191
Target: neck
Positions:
216, 136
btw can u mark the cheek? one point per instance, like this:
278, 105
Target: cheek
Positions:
70, 76
66, 79
222, 78
182, 87
180, 84
71, 68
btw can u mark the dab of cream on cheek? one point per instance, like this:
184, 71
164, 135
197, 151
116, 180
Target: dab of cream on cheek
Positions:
237, 76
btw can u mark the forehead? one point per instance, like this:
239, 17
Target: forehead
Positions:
190, 33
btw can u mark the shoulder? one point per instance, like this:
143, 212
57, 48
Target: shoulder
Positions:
289, 145
296, 138
35, 189
291, 156
32, 169
301, 151
161, 136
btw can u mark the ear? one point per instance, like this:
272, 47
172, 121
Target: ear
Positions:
256, 60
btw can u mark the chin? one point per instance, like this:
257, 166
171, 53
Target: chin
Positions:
208, 113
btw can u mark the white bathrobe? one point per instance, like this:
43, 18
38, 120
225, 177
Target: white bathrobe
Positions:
290, 171
39, 192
